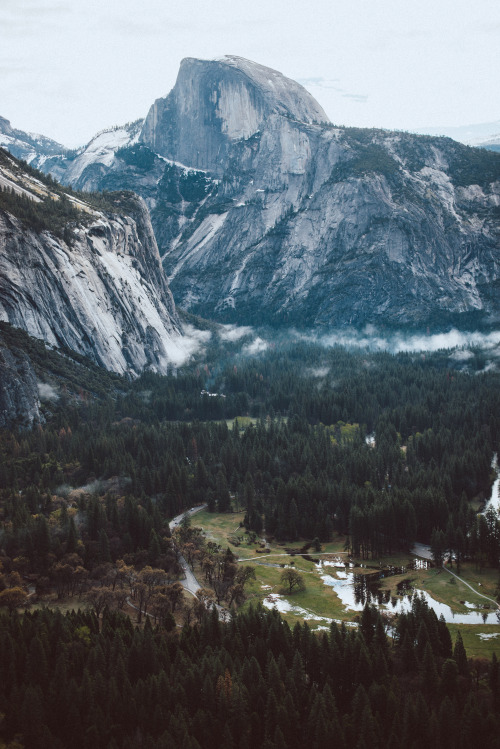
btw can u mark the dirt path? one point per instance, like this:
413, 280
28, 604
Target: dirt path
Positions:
471, 588
421, 550
298, 554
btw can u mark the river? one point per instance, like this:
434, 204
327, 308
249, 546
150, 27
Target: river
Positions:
494, 500
355, 589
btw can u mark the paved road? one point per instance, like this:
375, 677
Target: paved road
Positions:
470, 586
177, 520
421, 550
296, 554
190, 583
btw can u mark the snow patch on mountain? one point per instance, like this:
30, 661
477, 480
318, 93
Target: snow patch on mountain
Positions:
101, 150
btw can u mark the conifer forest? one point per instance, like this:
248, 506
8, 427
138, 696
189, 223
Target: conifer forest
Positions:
100, 644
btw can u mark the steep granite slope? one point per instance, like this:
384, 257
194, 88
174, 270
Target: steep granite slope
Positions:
95, 286
216, 103
19, 403
265, 212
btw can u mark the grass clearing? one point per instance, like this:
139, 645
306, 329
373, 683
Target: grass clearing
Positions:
316, 598
485, 581
321, 600
475, 646
55, 604
449, 590
441, 586
223, 529
245, 421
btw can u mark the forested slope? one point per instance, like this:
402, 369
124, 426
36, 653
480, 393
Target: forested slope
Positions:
252, 682
85, 502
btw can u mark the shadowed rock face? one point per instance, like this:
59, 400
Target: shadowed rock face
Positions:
103, 296
19, 402
265, 212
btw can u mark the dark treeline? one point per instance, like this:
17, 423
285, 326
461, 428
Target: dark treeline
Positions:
303, 473
56, 212
49, 214
64, 681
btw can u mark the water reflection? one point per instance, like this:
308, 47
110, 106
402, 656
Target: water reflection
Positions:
355, 590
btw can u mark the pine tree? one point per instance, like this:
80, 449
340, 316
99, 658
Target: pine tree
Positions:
104, 550
493, 676
460, 656
72, 539
449, 673
429, 672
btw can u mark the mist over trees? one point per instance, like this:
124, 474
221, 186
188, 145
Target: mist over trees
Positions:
384, 450
301, 469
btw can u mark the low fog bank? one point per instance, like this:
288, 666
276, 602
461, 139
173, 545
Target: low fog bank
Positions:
462, 345
371, 339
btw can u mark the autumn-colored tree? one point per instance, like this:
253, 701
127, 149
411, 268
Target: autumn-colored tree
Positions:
13, 598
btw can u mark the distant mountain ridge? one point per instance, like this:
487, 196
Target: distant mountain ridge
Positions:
27, 146
483, 135
265, 212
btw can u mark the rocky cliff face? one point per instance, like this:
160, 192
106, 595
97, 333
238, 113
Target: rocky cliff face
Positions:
217, 103
19, 403
100, 291
265, 212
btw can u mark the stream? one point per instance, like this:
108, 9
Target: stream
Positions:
355, 589
494, 500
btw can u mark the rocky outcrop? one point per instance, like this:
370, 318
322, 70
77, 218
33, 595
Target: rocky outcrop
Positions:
100, 291
312, 224
19, 403
265, 212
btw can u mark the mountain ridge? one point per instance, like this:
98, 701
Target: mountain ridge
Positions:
265, 213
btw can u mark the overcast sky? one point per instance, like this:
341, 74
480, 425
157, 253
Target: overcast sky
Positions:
69, 68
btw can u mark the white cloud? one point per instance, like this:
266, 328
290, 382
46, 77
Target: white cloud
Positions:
46, 392
258, 346
400, 342
234, 332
